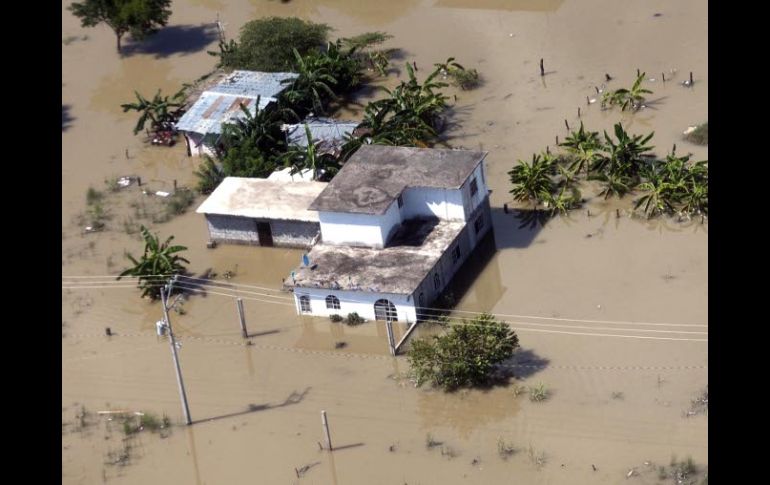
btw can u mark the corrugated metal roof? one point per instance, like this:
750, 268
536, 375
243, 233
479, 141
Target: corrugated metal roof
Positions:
326, 130
220, 104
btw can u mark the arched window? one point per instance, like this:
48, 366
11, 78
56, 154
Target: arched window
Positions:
304, 304
385, 310
332, 302
436, 281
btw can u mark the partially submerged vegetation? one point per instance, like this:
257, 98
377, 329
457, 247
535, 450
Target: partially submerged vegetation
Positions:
631, 98
467, 355
158, 262
622, 165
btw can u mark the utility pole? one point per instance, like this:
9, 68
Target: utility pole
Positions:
172, 340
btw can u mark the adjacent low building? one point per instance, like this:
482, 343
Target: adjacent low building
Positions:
396, 224
202, 124
262, 212
328, 134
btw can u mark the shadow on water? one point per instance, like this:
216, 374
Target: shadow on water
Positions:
175, 39
518, 228
66, 117
525, 363
294, 398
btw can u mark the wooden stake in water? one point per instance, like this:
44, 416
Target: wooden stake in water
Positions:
242, 318
542, 69
566, 124
325, 424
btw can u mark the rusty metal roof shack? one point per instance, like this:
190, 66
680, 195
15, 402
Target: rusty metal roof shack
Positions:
328, 132
221, 103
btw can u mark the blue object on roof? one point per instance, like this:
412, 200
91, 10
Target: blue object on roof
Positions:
305, 260
221, 103
328, 131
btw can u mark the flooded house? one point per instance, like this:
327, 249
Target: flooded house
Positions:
262, 212
202, 124
396, 224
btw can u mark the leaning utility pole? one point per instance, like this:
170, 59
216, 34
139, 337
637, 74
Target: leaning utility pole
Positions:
172, 340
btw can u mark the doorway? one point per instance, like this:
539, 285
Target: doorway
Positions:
264, 234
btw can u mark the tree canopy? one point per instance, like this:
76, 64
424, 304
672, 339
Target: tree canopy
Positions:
267, 44
140, 18
467, 355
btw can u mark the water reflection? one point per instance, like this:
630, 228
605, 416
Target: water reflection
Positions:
137, 73
368, 13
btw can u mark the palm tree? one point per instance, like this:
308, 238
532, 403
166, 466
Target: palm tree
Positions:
532, 181
312, 88
158, 262
162, 111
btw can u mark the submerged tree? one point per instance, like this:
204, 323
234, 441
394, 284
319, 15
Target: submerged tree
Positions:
310, 158
532, 181
467, 355
627, 98
140, 18
159, 261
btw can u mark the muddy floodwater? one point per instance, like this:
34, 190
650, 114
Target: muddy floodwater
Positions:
611, 310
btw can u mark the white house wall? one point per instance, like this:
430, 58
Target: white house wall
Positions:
354, 302
344, 228
198, 147
471, 203
446, 204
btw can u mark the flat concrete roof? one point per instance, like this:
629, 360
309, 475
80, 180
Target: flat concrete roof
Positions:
263, 199
377, 174
398, 268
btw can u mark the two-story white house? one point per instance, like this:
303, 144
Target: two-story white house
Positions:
396, 225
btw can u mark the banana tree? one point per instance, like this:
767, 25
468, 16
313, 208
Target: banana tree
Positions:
584, 148
627, 98
623, 156
303, 158
311, 90
159, 261
532, 181
161, 111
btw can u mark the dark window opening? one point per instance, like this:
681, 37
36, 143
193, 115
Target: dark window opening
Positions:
436, 281
456, 253
304, 304
479, 224
474, 187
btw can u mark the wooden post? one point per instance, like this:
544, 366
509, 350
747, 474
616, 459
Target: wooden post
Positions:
578, 111
566, 124
172, 341
242, 318
108, 331
391, 338
588, 101
542, 69
638, 72
139, 181
691, 82
505, 208
557, 140
325, 424
663, 75
174, 185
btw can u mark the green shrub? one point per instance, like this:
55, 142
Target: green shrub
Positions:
466, 356
266, 44
354, 319
335, 318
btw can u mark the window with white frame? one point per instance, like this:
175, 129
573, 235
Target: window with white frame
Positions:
304, 304
332, 302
